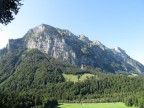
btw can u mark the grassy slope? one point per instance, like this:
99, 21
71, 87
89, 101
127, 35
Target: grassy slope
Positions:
98, 105
133, 75
74, 78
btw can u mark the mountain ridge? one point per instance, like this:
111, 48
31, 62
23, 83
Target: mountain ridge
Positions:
76, 50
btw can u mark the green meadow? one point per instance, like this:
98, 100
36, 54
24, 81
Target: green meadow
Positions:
76, 78
92, 105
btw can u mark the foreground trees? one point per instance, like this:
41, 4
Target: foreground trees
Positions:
8, 8
12, 100
135, 100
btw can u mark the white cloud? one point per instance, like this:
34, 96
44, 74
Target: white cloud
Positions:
3, 39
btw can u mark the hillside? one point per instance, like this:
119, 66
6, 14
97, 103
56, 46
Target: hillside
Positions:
32, 68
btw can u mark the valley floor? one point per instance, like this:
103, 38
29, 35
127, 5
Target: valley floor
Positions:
92, 105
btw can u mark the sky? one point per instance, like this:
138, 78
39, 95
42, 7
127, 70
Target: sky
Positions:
115, 23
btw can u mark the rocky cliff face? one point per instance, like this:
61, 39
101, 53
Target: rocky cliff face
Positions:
77, 50
52, 41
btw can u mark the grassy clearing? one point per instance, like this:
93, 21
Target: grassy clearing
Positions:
98, 105
76, 78
133, 75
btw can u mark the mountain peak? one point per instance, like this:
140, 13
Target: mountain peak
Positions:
84, 38
43, 27
96, 42
119, 50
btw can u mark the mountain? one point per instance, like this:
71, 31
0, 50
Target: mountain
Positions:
76, 50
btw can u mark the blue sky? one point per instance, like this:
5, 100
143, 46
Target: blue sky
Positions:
113, 22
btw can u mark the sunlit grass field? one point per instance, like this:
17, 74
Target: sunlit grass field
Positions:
74, 78
91, 105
